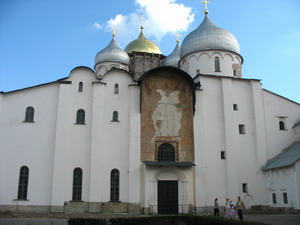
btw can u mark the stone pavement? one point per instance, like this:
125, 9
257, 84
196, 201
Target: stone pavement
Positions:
275, 219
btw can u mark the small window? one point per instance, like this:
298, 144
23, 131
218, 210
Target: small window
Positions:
234, 73
114, 185
223, 155
166, 153
23, 183
235, 107
77, 184
217, 64
29, 114
116, 89
245, 187
242, 129
274, 198
80, 87
197, 72
282, 125
285, 198
80, 117
115, 117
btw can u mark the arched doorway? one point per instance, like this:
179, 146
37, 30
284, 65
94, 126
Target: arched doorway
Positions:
170, 190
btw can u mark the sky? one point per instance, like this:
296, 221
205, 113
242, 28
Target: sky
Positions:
43, 40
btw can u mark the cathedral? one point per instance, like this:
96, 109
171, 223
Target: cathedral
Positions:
145, 133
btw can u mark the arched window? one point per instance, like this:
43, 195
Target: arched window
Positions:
166, 153
80, 87
114, 185
77, 184
23, 183
116, 89
115, 116
29, 114
217, 64
80, 117
281, 125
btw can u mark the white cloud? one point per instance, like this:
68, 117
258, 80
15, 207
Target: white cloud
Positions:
161, 17
97, 26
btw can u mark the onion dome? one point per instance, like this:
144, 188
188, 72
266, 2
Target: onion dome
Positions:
142, 45
112, 53
208, 36
174, 57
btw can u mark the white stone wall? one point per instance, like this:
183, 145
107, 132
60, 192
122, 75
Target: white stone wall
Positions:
28, 144
284, 180
216, 126
203, 62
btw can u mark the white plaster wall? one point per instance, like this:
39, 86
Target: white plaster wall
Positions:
114, 136
28, 144
216, 130
276, 106
77, 147
102, 68
284, 180
204, 62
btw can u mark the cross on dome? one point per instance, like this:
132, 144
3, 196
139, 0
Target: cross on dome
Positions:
205, 6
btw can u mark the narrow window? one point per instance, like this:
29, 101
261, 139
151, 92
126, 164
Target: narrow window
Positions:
115, 116
116, 89
166, 153
285, 198
29, 114
242, 129
235, 107
197, 72
245, 187
217, 64
274, 198
80, 86
80, 117
282, 125
223, 155
23, 183
77, 184
114, 185
234, 73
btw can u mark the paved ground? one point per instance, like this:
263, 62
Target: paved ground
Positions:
275, 219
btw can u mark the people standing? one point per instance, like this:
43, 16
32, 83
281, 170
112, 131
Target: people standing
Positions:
216, 208
240, 207
227, 208
232, 212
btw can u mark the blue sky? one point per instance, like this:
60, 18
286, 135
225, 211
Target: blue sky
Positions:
43, 40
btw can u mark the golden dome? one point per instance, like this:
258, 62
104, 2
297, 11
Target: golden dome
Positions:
142, 45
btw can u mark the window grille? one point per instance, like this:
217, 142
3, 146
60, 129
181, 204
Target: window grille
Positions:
116, 89
80, 87
166, 153
23, 183
114, 185
80, 117
217, 64
77, 184
29, 114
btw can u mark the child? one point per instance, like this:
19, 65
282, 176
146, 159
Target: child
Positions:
232, 213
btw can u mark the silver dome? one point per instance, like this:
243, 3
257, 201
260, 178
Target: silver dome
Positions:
208, 36
173, 58
112, 53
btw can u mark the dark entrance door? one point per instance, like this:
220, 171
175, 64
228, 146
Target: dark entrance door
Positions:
167, 197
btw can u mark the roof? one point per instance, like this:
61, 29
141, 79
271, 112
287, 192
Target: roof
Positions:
208, 36
286, 158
